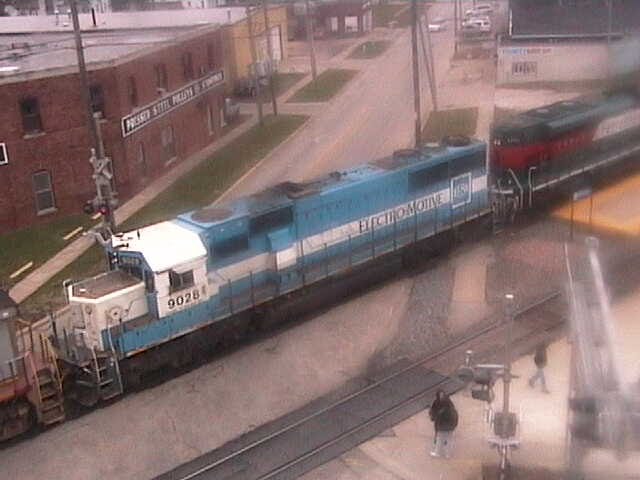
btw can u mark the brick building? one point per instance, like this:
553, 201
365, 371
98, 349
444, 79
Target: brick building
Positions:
159, 90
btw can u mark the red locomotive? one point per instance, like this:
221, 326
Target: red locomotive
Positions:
543, 146
30, 383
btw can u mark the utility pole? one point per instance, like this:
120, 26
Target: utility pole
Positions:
506, 428
84, 82
267, 33
609, 23
254, 63
312, 50
416, 73
455, 26
105, 200
428, 60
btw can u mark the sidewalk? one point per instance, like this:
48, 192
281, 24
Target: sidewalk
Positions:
403, 451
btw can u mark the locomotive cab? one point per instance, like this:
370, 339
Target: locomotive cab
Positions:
158, 271
8, 347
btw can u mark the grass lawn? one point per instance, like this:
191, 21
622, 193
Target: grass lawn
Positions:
459, 121
328, 83
35, 244
197, 188
370, 49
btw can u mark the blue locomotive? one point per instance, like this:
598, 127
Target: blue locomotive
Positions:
208, 265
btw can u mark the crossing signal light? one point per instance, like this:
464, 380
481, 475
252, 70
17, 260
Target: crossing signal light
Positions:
89, 208
104, 210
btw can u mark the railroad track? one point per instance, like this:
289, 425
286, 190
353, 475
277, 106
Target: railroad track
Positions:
287, 449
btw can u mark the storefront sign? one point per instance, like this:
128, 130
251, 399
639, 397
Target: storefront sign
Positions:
141, 118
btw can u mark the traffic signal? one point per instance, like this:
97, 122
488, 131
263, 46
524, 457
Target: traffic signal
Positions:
104, 210
94, 206
88, 207
483, 378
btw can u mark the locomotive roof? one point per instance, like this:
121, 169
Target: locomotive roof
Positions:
286, 193
567, 114
164, 245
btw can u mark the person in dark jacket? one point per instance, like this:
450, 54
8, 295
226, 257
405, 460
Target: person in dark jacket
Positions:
444, 416
540, 359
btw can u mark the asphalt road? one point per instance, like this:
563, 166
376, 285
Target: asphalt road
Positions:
371, 117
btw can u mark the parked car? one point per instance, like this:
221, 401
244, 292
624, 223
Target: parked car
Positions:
478, 24
480, 9
437, 25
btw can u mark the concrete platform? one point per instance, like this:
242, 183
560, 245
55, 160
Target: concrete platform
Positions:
615, 209
402, 452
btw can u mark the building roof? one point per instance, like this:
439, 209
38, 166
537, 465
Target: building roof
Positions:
532, 19
36, 44
153, 19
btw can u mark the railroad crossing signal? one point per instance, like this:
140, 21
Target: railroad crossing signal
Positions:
105, 200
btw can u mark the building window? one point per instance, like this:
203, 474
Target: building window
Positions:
187, 66
44, 192
96, 96
31, 121
211, 56
525, 69
168, 144
162, 81
211, 120
142, 159
132, 90
4, 156
221, 109
180, 281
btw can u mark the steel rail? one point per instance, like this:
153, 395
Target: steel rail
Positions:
416, 364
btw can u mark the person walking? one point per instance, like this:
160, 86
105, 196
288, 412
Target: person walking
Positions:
540, 359
445, 418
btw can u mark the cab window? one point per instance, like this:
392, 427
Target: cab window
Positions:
180, 281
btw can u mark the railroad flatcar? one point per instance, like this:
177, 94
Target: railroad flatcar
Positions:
541, 147
174, 278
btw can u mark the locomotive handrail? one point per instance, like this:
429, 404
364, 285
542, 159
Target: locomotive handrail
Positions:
52, 358
521, 194
530, 177
115, 360
34, 372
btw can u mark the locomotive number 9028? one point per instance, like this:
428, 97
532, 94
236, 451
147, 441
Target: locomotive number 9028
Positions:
192, 296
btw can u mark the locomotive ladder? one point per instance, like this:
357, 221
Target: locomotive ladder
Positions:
99, 374
50, 394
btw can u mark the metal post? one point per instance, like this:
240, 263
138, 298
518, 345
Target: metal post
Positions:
309, 27
455, 26
507, 354
267, 33
431, 71
590, 212
416, 73
609, 22
571, 222
506, 382
254, 62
